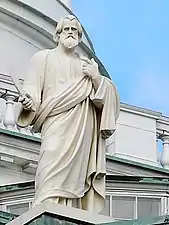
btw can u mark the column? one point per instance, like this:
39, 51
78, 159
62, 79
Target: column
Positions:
2, 93
9, 117
157, 149
165, 152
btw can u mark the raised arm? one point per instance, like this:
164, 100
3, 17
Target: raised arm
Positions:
32, 89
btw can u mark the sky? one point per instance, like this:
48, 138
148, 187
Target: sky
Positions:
131, 38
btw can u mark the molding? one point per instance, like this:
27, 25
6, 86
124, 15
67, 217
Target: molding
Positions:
136, 158
164, 119
137, 179
6, 80
6, 217
7, 87
51, 19
13, 176
17, 187
37, 23
30, 167
22, 148
20, 135
74, 214
136, 164
140, 111
162, 126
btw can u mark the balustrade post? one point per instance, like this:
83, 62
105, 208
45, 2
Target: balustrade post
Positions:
157, 150
9, 117
165, 152
2, 92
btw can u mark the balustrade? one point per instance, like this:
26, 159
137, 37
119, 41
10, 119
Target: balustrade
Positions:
162, 133
165, 152
9, 93
8, 121
157, 149
9, 117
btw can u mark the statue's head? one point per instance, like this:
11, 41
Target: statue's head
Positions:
68, 32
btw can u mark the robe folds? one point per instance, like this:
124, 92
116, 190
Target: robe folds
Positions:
74, 120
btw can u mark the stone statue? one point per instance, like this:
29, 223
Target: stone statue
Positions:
75, 109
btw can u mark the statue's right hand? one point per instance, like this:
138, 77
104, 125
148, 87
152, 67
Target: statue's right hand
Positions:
27, 101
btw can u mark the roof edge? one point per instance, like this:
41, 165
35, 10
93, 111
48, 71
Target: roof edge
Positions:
138, 164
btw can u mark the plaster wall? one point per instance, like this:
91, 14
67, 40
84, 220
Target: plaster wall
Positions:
15, 52
13, 176
51, 8
135, 138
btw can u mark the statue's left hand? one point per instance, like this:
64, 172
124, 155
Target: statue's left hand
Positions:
27, 102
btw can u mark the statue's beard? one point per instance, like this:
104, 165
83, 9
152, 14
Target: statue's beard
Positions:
69, 42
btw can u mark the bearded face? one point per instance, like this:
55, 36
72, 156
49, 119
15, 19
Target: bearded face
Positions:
69, 41
69, 35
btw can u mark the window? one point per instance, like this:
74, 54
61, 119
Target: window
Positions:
123, 207
18, 209
128, 207
148, 207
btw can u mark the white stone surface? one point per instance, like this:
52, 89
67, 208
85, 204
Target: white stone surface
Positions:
60, 210
68, 3
13, 176
165, 152
15, 52
51, 8
135, 138
61, 81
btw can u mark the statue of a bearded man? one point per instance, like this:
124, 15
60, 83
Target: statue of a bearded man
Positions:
75, 108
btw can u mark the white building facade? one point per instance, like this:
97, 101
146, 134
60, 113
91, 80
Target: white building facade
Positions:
27, 26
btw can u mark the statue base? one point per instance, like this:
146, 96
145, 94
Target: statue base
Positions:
49, 213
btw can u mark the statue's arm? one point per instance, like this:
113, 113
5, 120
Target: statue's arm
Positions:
106, 99
32, 89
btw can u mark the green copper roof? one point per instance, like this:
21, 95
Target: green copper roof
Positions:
134, 163
49, 219
21, 135
6, 217
137, 179
113, 158
115, 178
16, 187
148, 221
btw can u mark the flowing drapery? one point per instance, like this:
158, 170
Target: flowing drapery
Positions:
74, 119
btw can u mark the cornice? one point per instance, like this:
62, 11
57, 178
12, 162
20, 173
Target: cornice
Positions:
137, 164
140, 111
45, 31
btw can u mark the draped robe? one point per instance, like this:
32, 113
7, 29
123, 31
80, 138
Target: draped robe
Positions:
74, 120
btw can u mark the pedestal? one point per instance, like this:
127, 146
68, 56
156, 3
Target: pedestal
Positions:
49, 213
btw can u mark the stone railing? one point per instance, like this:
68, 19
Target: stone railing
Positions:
162, 134
8, 105
9, 97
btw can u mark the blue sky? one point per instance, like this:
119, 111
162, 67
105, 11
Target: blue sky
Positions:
131, 38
